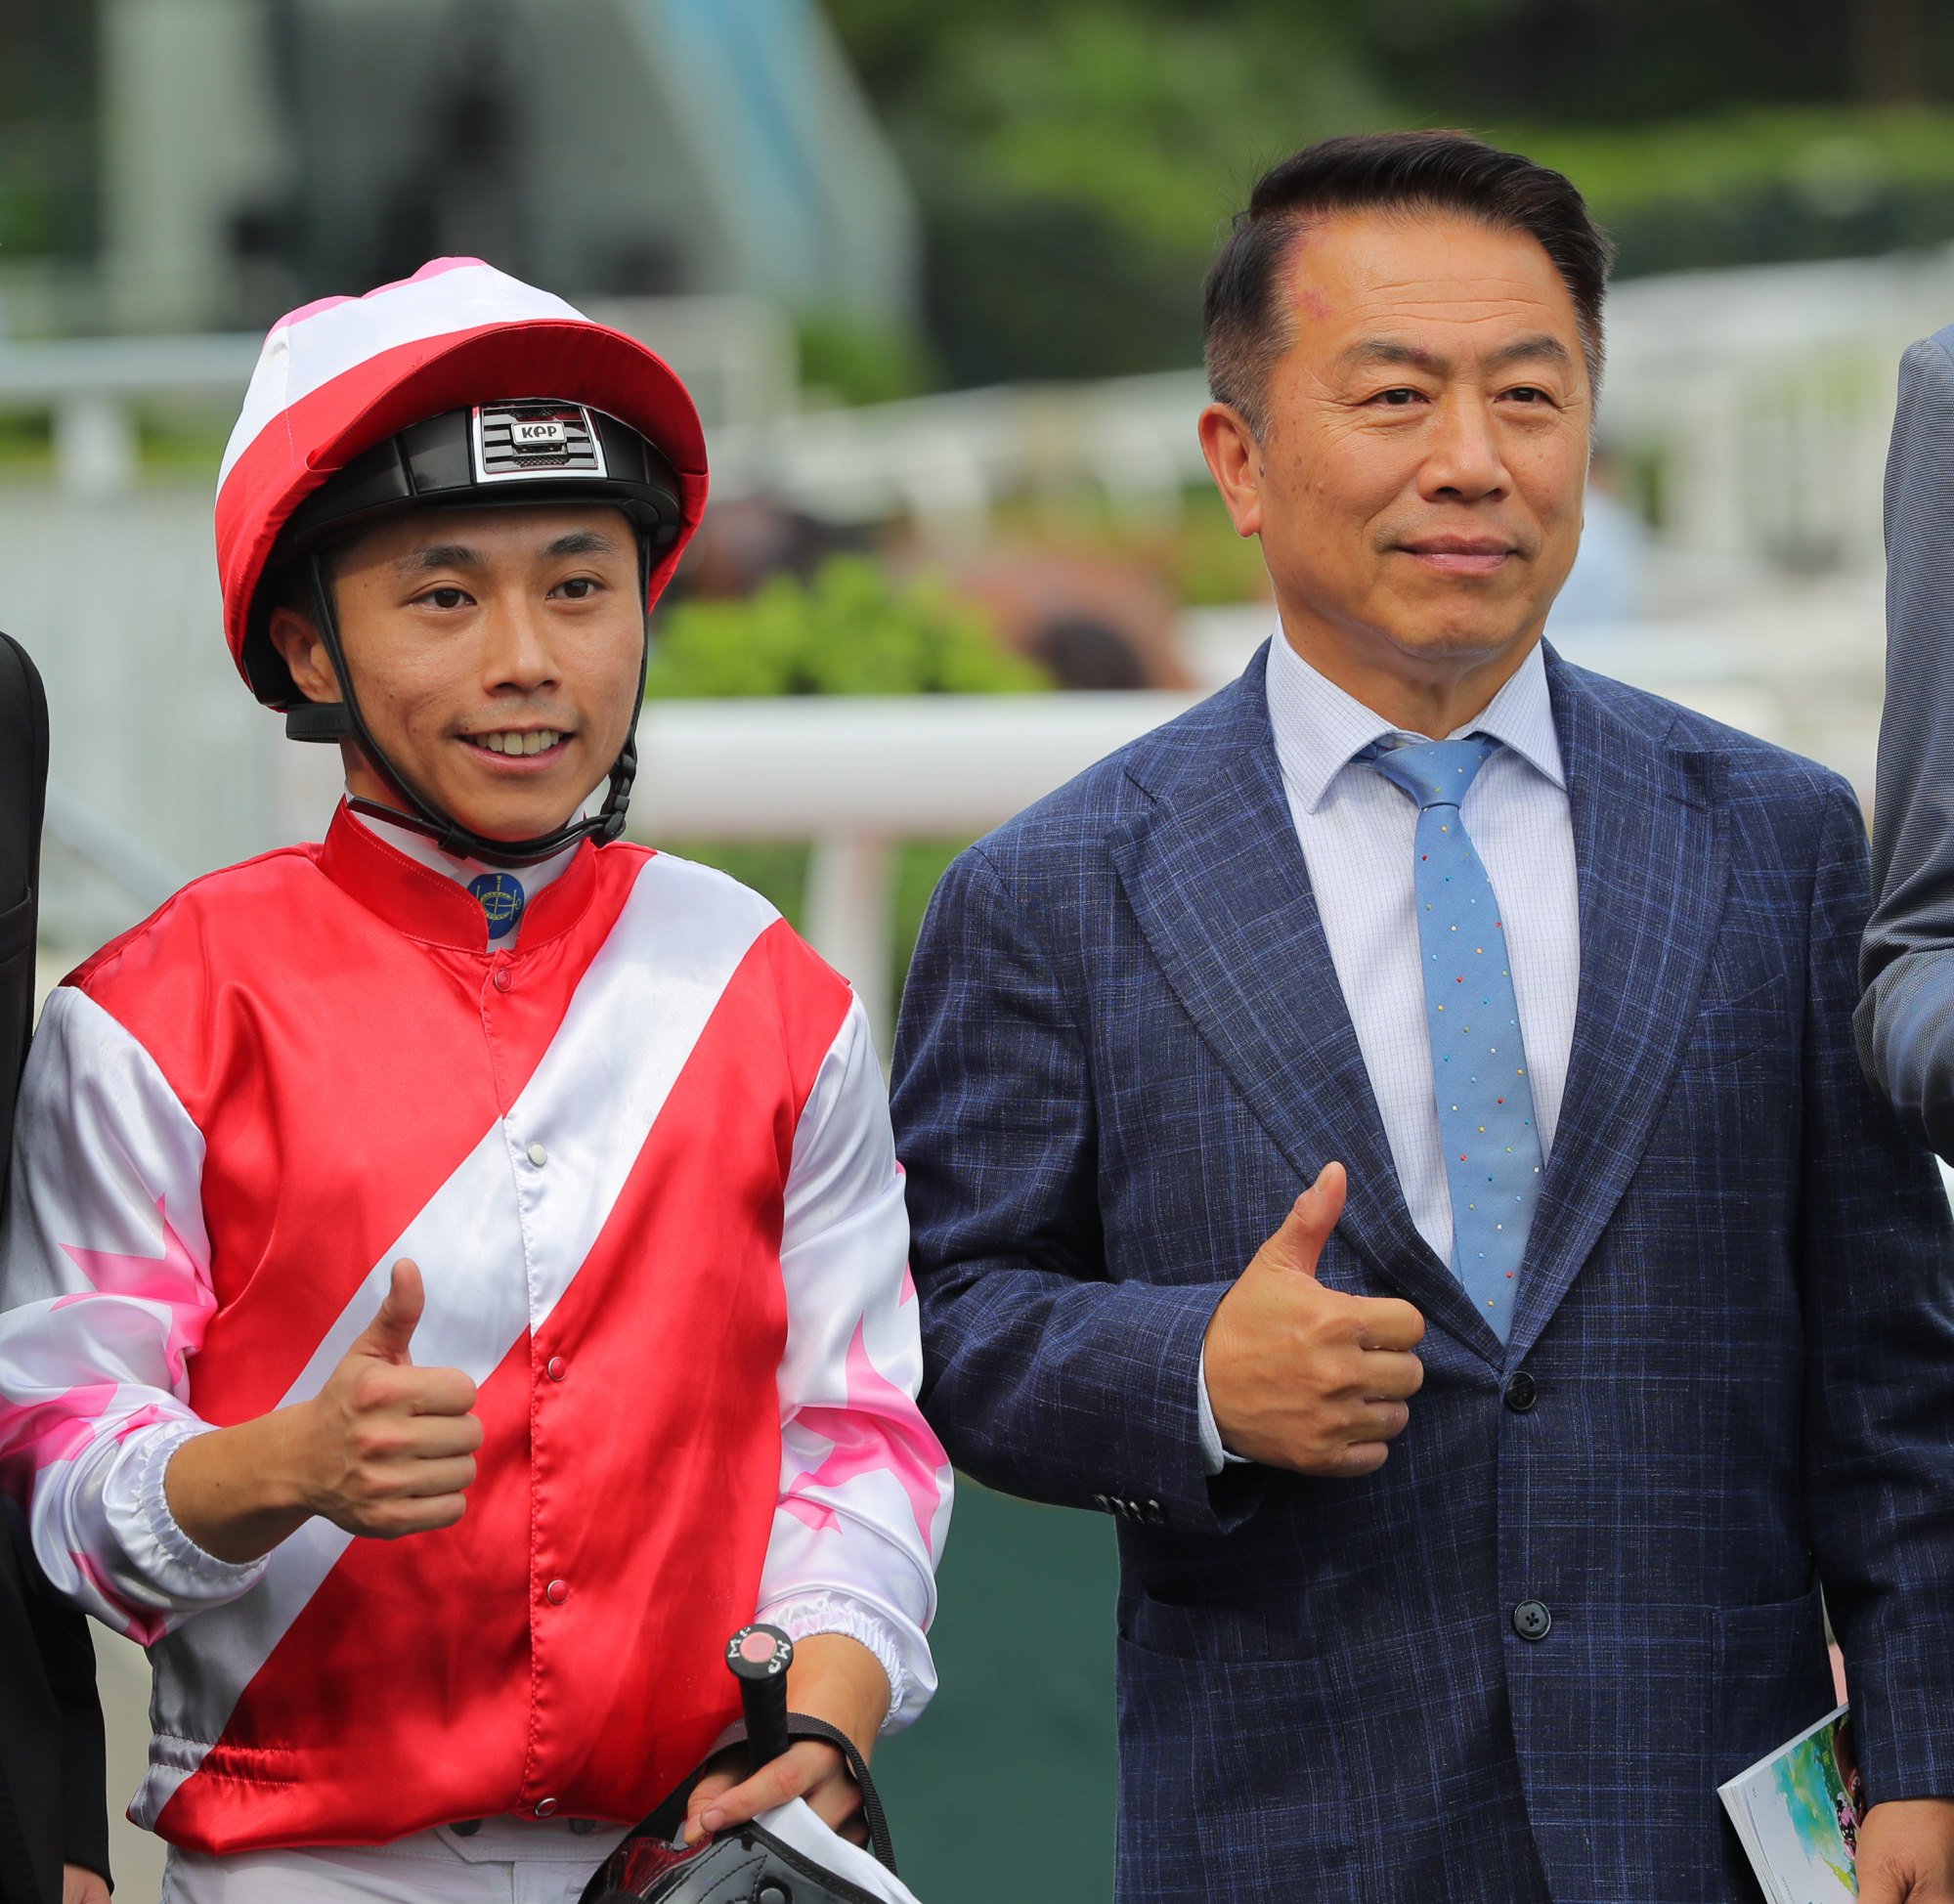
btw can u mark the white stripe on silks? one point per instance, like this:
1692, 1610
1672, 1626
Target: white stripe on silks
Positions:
116, 1154
592, 1102
327, 341
87, 1075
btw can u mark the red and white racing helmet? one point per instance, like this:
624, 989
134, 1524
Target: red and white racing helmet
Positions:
460, 386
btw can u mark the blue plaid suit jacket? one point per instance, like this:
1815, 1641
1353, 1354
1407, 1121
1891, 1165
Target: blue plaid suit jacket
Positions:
1123, 1050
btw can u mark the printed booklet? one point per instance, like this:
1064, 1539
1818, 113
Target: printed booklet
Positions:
1798, 1813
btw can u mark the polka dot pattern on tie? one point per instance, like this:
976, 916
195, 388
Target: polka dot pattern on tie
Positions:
1484, 1105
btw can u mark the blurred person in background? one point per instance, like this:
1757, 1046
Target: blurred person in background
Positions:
1906, 1018
455, 1272
54, 1817
1608, 584
1474, 1504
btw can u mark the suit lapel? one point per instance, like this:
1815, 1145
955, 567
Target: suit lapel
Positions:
1218, 885
1651, 863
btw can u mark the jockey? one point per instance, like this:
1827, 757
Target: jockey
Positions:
455, 1274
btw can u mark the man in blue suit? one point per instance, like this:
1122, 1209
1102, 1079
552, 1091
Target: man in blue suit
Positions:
1473, 1506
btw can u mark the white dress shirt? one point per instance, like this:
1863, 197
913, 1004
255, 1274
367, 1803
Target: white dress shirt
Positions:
1357, 831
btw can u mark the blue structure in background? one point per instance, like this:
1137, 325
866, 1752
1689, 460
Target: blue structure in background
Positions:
814, 207
604, 148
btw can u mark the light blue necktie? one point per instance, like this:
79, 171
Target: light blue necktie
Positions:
1479, 1063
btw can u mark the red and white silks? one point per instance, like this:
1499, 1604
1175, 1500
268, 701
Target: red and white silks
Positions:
643, 1162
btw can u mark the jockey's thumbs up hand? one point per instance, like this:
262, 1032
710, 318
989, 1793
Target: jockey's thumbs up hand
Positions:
387, 1448
386, 1338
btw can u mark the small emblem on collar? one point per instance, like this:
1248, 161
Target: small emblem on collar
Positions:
503, 897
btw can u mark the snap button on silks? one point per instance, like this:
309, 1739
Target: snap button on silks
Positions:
504, 979
546, 1807
538, 1155
556, 1368
556, 1593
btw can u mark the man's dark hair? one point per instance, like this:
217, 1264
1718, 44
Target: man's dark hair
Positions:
1247, 322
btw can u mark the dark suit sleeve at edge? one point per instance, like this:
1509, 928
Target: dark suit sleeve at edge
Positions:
1875, 1269
58, 1652
1906, 1017
1042, 1377
53, 1783
23, 779
70, 1662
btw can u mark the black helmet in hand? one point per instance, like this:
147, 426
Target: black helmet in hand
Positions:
745, 1865
792, 1859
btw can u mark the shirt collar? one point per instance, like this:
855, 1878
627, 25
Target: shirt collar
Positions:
1319, 727
461, 870
433, 905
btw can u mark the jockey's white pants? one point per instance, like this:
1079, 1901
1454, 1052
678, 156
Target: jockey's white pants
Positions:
507, 1861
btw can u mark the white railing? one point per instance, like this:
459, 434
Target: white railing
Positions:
856, 777
860, 775
946, 461
1765, 394
92, 387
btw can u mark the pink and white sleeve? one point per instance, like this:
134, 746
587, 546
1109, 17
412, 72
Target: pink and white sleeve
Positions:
104, 1278
864, 1484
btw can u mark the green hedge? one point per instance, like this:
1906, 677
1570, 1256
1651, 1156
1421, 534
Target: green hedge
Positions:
1836, 157
1762, 186
851, 630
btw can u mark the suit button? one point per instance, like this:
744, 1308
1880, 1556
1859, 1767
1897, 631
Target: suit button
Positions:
1522, 1392
1156, 1515
1531, 1619
1104, 1505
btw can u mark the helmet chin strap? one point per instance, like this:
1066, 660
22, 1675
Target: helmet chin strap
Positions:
341, 720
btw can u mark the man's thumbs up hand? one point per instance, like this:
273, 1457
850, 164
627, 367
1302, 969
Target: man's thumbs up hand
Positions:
385, 1448
1304, 1377
1298, 1244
